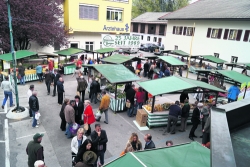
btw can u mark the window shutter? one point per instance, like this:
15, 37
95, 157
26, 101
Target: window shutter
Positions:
246, 36
173, 29
208, 32
219, 33
226, 34
181, 30
185, 29
238, 35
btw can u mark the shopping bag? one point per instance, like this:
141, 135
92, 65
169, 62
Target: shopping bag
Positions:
78, 93
128, 104
37, 116
98, 113
86, 126
74, 128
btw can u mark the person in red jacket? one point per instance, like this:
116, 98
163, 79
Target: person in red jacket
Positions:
79, 63
140, 96
88, 116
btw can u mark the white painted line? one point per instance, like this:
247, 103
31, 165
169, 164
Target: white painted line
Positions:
2, 141
28, 135
7, 143
138, 159
5, 108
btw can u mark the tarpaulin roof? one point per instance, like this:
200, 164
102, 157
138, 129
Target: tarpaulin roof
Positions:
105, 50
172, 60
179, 52
191, 154
237, 77
119, 59
116, 73
69, 51
174, 84
19, 55
213, 59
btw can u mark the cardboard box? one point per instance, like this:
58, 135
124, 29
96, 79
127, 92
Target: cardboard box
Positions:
141, 116
142, 123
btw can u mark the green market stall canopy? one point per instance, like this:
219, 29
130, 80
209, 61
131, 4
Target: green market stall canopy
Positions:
105, 50
179, 52
116, 73
69, 51
172, 60
19, 55
119, 59
189, 154
213, 59
175, 84
239, 65
235, 76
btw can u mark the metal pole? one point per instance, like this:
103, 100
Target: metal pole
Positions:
190, 51
13, 54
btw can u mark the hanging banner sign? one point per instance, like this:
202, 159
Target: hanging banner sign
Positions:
6, 65
120, 41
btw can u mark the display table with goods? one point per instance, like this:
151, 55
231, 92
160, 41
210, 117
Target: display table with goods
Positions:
116, 76
158, 108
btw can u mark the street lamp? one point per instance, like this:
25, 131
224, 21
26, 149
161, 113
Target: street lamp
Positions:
17, 109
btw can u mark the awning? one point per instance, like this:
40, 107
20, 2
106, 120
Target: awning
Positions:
119, 59
116, 73
235, 76
172, 60
105, 50
175, 84
179, 52
213, 59
19, 55
248, 65
69, 51
193, 154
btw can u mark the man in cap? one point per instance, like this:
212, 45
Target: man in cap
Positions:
29, 93
195, 120
89, 159
34, 150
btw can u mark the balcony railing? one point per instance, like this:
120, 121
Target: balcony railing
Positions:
121, 1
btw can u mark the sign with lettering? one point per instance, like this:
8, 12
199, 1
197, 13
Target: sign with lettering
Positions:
120, 41
117, 29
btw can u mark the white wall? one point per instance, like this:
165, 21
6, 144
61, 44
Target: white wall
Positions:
37, 48
145, 36
208, 46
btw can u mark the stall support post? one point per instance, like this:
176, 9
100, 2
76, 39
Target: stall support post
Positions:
115, 96
216, 97
245, 92
153, 104
13, 54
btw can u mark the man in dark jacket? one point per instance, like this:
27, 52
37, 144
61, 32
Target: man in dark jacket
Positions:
48, 80
21, 73
130, 97
82, 86
78, 109
34, 150
183, 97
99, 139
60, 90
184, 115
34, 106
149, 142
55, 78
146, 68
195, 120
174, 112
95, 88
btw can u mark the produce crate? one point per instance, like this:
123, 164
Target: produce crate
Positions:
141, 117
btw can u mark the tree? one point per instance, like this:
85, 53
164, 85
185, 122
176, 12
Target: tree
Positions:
141, 6
32, 20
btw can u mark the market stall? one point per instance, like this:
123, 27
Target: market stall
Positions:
69, 67
188, 154
120, 59
172, 62
21, 56
238, 65
158, 110
103, 51
117, 76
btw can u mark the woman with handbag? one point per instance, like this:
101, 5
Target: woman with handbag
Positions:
88, 117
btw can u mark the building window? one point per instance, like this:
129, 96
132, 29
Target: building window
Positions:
151, 28
114, 14
214, 33
142, 30
88, 12
135, 27
177, 30
148, 38
155, 39
74, 45
235, 35
89, 46
162, 29
141, 37
100, 45
122, 1
246, 36
188, 31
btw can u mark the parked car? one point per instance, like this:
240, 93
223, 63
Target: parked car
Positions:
129, 50
149, 47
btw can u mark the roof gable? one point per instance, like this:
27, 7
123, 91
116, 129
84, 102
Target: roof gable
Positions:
212, 9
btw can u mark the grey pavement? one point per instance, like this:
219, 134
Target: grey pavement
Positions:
57, 147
